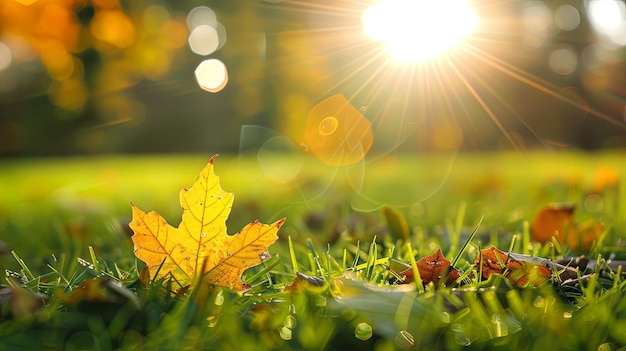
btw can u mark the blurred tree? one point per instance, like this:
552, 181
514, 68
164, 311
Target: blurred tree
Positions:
117, 76
80, 76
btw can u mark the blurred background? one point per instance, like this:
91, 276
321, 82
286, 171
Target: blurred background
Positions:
108, 76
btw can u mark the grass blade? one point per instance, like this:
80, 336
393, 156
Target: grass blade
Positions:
416, 273
469, 239
292, 254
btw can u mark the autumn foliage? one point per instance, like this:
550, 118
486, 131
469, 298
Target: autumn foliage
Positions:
557, 220
435, 267
432, 269
493, 261
200, 248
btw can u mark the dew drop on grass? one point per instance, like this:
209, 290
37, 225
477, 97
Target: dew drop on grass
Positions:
285, 333
461, 339
445, 317
290, 322
84, 262
499, 326
405, 340
320, 301
12, 274
219, 299
212, 321
363, 331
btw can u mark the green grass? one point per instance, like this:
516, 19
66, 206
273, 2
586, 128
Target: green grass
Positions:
74, 280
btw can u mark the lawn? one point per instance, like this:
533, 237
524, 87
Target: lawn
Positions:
74, 283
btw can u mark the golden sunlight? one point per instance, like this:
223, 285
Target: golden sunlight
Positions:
417, 30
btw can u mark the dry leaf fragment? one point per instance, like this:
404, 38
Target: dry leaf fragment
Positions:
91, 290
494, 261
23, 303
201, 246
98, 290
432, 268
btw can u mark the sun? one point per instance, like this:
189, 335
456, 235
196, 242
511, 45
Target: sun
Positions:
418, 30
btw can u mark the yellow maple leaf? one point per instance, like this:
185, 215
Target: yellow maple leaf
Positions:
201, 245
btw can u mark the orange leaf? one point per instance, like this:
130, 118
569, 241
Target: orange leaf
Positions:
493, 261
432, 268
91, 290
558, 220
605, 177
554, 220
200, 246
23, 302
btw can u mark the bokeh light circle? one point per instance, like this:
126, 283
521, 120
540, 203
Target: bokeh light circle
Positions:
563, 61
536, 17
203, 40
567, 17
201, 15
211, 75
608, 17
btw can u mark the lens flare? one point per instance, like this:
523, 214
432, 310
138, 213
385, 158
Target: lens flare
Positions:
328, 125
337, 133
417, 30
